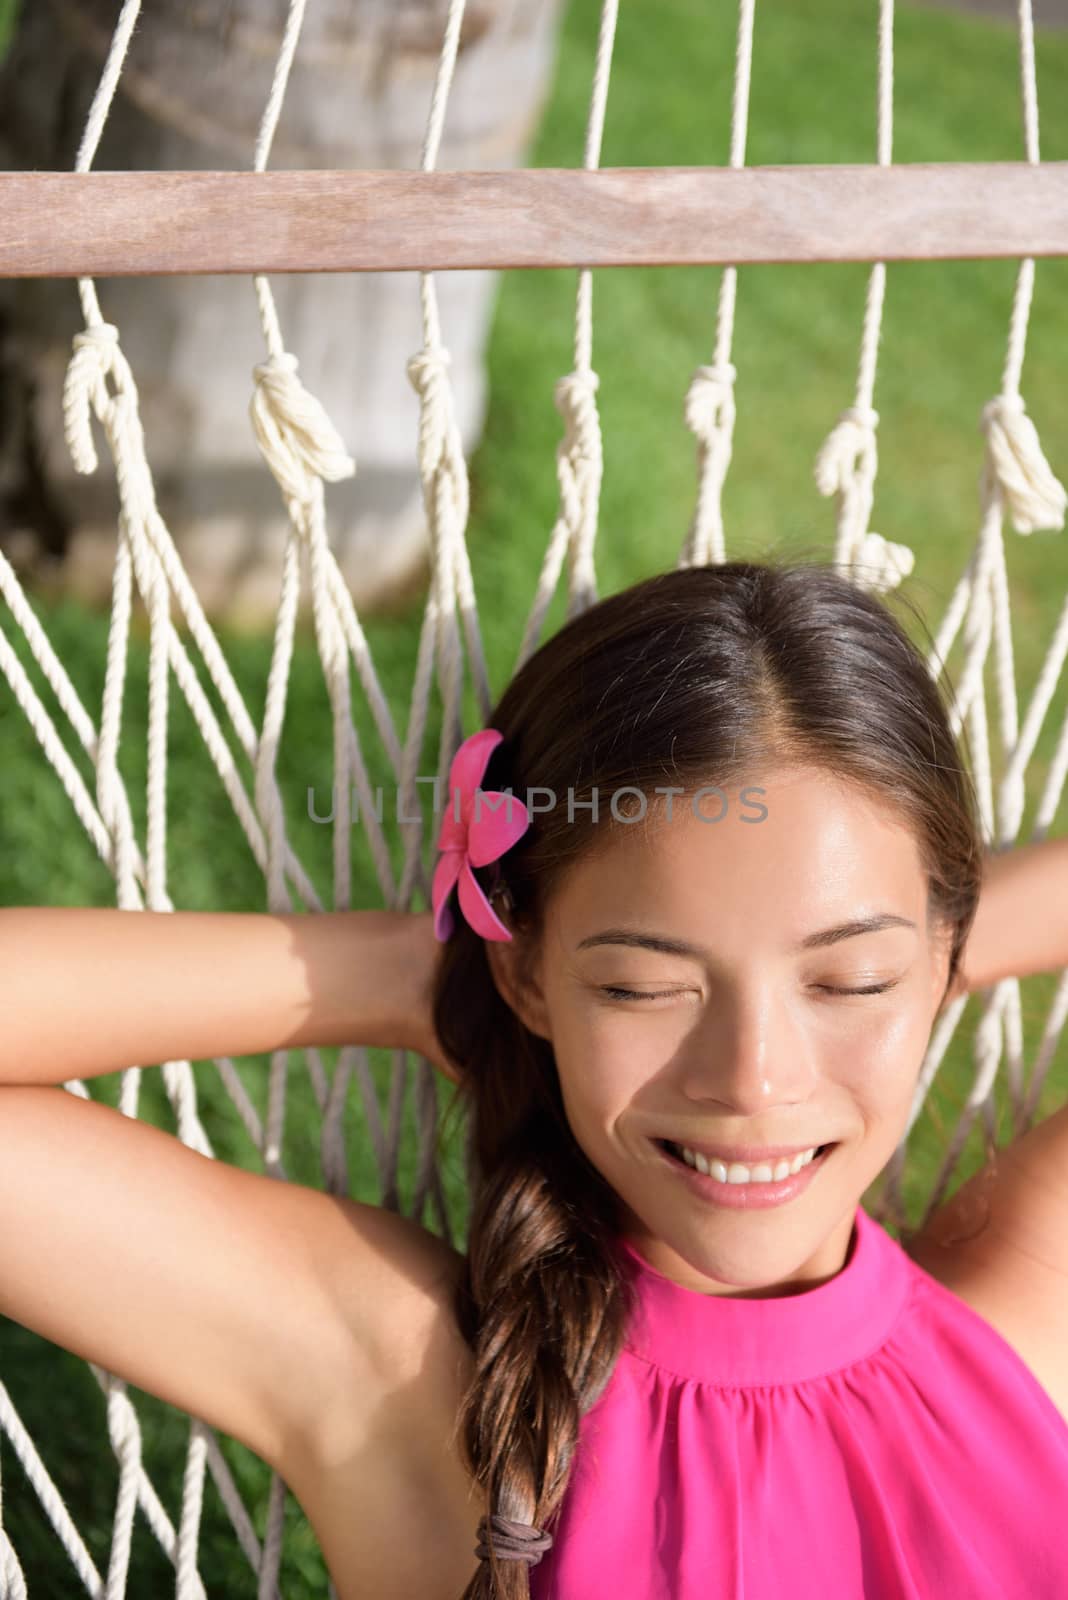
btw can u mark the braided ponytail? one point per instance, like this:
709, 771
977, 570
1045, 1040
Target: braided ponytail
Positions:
542, 1305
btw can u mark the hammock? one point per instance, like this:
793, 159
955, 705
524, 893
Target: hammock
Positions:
303, 451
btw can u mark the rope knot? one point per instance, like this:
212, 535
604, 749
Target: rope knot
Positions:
1002, 405
442, 466
428, 374
884, 564
1016, 467
710, 400
295, 435
864, 417
102, 336
428, 369
576, 388
96, 354
281, 362
848, 450
575, 399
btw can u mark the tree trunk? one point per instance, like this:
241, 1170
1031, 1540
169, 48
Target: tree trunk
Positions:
191, 96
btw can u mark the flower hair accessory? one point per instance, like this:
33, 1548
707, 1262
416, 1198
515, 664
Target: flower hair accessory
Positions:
490, 822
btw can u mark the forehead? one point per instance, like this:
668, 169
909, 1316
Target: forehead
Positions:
788, 845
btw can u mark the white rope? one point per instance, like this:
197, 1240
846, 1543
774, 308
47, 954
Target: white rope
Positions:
298, 438
302, 448
709, 407
848, 460
446, 499
1015, 476
579, 455
94, 128
52, 1503
1016, 468
304, 451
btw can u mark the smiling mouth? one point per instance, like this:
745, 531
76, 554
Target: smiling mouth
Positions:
674, 1151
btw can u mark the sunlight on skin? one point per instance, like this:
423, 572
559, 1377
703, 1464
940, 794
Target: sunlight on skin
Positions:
746, 1048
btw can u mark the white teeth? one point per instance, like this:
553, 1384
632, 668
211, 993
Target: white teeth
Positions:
738, 1173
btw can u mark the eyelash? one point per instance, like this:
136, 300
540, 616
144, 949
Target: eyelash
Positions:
615, 993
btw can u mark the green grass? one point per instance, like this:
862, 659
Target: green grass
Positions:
796, 345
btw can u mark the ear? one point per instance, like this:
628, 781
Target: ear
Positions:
516, 972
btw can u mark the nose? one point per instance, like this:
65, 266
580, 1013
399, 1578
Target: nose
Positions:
748, 1054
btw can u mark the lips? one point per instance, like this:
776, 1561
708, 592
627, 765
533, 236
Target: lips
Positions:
748, 1196
750, 1155
674, 1147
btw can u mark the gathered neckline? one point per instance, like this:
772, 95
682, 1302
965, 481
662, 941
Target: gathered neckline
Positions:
778, 1339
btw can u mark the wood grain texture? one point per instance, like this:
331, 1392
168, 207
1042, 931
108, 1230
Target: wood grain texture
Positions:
118, 224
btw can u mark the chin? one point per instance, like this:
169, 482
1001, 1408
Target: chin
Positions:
754, 1251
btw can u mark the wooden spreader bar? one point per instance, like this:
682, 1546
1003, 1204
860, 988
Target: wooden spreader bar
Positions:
117, 224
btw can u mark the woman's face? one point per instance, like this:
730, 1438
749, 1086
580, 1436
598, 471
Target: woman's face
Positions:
742, 1041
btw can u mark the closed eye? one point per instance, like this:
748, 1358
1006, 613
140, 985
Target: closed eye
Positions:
875, 988
633, 994
616, 993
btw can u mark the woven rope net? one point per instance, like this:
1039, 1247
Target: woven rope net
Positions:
304, 452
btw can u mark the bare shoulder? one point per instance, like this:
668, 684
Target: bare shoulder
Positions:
1012, 1270
381, 1476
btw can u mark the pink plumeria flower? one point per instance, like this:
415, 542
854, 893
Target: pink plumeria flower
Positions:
488, 825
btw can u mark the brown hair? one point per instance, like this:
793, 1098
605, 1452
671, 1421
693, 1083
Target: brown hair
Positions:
686, 678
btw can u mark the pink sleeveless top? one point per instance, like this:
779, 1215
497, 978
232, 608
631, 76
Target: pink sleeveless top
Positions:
872, 1437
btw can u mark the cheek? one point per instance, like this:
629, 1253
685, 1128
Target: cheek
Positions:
601, 1078
881, 1070
881, 1039
594, 1094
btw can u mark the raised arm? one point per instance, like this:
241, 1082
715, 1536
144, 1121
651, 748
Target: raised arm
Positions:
1021, 927
303, 1323
1011, 1217
89, 991
1021, 923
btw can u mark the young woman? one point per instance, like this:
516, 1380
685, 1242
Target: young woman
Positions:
741, 878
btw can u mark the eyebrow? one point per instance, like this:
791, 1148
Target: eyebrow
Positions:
812, 941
